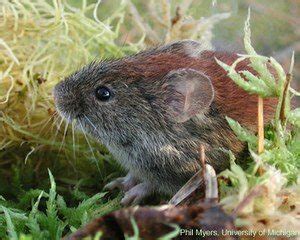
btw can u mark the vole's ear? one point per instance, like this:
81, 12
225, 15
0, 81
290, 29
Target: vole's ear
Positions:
187, 92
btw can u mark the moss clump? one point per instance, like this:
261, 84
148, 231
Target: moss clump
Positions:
268, 189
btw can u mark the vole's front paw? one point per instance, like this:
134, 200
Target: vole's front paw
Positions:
123, 183
136, 194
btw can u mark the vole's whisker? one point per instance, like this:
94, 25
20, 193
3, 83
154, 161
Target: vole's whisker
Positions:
55, 114
73, 139
59, 125
65, 133
57, 130
95, 128
55, 121
90, 146
91, 123
46, 124
56, 118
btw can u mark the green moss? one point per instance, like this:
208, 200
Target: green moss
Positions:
279, 164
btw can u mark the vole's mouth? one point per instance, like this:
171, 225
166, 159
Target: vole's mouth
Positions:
68, 116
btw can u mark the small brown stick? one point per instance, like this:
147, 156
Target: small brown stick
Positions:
260, 120
282, 115
260, 125
287, 82
175, 29
177, 17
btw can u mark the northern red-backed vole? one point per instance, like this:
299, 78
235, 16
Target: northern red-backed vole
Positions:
152, 110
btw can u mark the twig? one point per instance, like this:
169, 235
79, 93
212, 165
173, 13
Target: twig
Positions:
260, 120
282, 115
174, 31
288, 79
177, 17
260, 125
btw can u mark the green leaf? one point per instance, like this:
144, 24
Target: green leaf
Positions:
280, 72
258, 83
32, 223
25, 237
258, 63
241, 82
10, 226
247, 37
242, 133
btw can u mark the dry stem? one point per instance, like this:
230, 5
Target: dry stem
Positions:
260, 125
260, 120
282, 115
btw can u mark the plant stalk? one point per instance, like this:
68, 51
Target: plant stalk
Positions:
260, 120
260, 125
283, 106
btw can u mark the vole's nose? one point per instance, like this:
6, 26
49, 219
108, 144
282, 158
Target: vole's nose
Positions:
59, 95
57, 92
65, 101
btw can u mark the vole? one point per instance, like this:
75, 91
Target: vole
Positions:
152, 110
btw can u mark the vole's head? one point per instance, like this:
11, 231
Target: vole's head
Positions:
140, 93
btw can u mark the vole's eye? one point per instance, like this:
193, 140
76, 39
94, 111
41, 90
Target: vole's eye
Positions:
103, 93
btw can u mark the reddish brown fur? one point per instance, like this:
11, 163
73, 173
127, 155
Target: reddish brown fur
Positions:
230, 99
